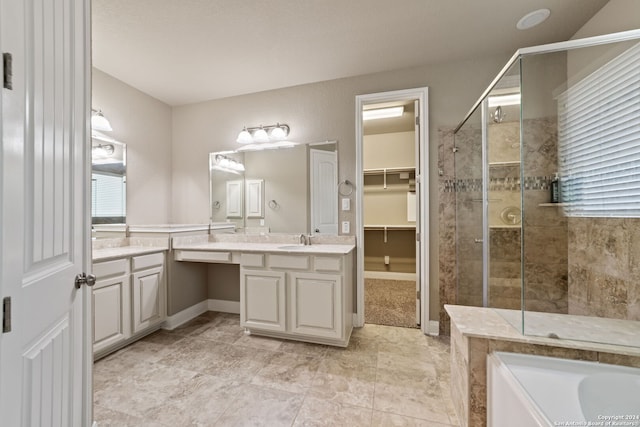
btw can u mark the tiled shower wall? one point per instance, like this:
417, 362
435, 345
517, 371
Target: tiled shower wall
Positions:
604, 267
545, 250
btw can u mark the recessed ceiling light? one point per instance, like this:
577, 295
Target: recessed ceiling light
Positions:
532, 19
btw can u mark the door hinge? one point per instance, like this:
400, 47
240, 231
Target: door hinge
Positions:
7, 64
417, 294
417, 121
417, 237
6, 314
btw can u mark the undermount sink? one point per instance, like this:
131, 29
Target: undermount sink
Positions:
291, 247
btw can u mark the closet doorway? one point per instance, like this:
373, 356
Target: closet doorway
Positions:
391, 184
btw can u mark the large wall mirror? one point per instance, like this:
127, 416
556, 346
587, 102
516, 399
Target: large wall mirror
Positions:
285, 190
108, 181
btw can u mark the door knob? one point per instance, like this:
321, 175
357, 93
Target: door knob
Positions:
85, 279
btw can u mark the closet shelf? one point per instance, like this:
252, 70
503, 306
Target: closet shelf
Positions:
377, 171
387, 228
394, 226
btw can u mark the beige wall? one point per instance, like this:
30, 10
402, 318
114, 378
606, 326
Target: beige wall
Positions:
144, 124
617, 15
319, 112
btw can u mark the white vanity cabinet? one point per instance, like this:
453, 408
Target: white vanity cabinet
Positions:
129, 300
301, 297
111, 314
148, 300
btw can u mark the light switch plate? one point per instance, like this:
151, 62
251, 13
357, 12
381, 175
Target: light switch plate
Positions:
345, 226
346, 204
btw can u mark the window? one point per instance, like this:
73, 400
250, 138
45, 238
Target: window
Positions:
599, 141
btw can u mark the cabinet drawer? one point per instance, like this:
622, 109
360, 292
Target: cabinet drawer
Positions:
292, 262
322, 263
117, 267
202, 256
147, 261
252, 260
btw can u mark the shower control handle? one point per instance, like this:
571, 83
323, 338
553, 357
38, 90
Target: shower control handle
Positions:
477, 240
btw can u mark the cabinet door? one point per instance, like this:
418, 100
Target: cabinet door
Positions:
148, 298
315, 305
112, 319
263, 300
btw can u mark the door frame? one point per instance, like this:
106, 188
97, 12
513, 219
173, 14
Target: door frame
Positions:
422, 95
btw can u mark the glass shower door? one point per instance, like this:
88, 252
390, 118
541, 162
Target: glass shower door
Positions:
469, 210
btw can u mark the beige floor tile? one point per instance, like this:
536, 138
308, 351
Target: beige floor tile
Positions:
204, 400
384, 419
258, 342
207, 372
109, 418
317, 412
234, 363
411, 402
261, 406
349, 390
148, 386
289, 372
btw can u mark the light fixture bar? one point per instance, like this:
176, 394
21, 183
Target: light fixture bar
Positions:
383, 113
263, 134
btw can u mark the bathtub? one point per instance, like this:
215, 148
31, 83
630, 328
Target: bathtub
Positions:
529, 391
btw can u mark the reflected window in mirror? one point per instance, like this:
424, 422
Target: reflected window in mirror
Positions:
108, 181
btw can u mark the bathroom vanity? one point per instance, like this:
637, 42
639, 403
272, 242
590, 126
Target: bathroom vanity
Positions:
129, 296
287, 290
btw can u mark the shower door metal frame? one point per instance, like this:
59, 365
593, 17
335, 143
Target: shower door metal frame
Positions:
485, 202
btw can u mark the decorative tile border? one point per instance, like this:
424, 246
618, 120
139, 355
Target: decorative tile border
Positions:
497, 184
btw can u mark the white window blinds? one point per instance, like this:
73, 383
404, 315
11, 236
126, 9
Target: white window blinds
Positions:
599, 141
108, 196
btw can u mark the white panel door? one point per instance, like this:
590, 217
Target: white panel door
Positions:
324, 198
254, 204
45, 363
416, 205
234, 199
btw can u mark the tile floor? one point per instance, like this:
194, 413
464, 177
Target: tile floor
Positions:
208, 373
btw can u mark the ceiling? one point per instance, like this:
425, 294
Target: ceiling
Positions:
187, 51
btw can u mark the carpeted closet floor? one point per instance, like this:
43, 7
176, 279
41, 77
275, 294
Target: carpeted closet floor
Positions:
390, 302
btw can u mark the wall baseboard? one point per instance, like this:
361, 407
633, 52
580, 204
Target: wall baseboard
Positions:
224, 306
189, 313
433, 328
185, 315
389, 275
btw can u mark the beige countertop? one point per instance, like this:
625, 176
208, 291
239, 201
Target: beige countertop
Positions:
576, 332
289, 248
107, 249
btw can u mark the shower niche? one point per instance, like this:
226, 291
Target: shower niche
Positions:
565, 268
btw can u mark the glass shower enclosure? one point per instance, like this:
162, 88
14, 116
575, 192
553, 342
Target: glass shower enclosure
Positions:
547, 192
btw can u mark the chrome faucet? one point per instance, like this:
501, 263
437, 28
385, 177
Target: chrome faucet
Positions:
305, 240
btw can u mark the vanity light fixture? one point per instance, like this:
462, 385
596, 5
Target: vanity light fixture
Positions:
383, 113
99, 121
227, 164
263, 134
103, 150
